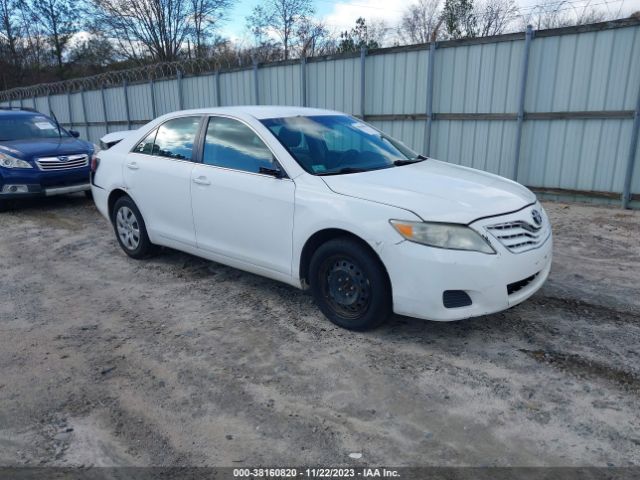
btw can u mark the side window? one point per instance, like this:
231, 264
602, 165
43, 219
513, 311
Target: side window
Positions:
176, 137
146, 145
232, 144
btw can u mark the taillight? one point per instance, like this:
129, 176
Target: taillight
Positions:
95, 161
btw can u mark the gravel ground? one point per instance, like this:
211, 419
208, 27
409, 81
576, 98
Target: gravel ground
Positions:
176, 360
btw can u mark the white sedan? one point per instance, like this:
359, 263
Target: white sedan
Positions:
321, 200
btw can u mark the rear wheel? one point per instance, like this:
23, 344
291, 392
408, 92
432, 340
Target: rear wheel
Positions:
130, 229
350, 285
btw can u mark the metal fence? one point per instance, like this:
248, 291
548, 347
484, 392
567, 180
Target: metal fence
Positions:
558, 110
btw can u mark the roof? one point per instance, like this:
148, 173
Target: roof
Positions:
265, 111
5, 112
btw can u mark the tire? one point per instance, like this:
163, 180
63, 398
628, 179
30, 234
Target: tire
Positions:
130, 229
350, 285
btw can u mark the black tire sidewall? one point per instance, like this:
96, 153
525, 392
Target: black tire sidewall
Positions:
379, 309
145, 247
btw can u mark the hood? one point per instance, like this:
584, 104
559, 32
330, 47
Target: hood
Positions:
45, 147
436, 191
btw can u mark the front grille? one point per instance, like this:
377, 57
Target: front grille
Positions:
519, 285
520, 236
63, 162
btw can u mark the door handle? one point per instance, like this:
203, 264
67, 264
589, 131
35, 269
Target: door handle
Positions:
201, 181
132, 166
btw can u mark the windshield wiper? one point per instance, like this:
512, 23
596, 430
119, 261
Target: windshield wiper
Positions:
343, 171
57, 123
419, 158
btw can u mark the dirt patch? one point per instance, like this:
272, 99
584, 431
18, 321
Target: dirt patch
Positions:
583, 367
180, 361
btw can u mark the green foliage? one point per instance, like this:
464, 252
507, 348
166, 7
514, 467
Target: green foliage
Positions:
459, 18
358, 37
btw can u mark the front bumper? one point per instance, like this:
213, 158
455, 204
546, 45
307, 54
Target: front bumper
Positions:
38, 191
420, 275
41, 184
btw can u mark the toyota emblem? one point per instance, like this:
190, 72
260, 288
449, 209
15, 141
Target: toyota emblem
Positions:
537, 217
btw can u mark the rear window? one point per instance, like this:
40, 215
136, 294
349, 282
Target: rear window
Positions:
25, 127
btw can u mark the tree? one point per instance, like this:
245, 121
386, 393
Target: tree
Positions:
58, 21
92, 55
154, 28
360, 36
494, 16
419, 21
459, 18
157, 29
282, 18
313, 38
207, 14
10, 33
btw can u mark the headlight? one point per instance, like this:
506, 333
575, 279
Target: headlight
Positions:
7, 161
443, 235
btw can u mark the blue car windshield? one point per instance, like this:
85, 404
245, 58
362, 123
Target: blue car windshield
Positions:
338, 144
27, 127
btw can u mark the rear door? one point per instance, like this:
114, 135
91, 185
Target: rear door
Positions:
157, 174
239, 212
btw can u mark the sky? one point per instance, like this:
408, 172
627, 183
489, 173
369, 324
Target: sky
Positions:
341, 15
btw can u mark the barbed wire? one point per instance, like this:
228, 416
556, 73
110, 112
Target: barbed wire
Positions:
114, 78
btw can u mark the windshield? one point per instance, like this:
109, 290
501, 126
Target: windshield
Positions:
25, 127
338, 144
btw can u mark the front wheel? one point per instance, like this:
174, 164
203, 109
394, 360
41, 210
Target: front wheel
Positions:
350, 285
130, 229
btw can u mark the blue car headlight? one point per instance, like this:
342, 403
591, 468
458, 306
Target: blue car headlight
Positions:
7, 161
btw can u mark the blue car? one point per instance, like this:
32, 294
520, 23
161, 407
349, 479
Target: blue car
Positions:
40, 158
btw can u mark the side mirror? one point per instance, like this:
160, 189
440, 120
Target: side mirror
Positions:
274, 172
74, 133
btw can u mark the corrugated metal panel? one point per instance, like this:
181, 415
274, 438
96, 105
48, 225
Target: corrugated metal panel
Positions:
280, 85
236, 88
114, 100
334, 84
41, 105
576, 154
60, 108
587, 71
139, 102
486, 145
95, 133
478, 78
93, 103
199, 92
383, 74
166, 93
78, 114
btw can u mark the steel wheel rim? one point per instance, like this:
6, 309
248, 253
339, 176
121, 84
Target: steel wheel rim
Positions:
345, 286
128, 228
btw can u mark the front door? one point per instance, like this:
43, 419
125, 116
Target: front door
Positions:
239, 212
